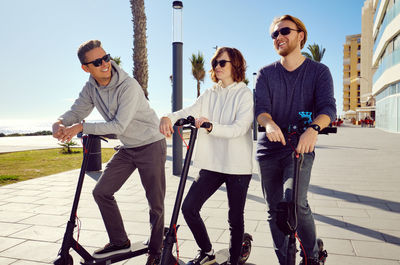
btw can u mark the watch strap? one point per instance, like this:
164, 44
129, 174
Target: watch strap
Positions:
315, 127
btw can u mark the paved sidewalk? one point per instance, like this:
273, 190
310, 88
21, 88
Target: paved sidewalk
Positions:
354, 195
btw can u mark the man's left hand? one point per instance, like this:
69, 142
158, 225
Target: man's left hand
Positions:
307, 141
70, 132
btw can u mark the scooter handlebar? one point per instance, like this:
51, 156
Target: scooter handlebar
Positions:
326, 130
191, 121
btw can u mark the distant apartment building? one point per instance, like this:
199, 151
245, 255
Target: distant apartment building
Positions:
367, 108
385, 65
351, 74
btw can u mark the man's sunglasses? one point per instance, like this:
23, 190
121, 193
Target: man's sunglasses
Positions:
99, 61
283, 31
222, 63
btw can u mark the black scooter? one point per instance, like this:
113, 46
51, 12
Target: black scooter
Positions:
222, 256
287, 210
137, 248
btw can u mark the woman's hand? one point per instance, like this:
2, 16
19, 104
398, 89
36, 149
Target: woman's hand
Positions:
202, 120
166, 127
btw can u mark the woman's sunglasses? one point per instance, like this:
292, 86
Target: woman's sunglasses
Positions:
222, 63
99, 61
283, 31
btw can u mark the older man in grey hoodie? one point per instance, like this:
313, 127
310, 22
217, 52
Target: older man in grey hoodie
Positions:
121, 102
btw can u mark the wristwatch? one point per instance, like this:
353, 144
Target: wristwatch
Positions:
315, 127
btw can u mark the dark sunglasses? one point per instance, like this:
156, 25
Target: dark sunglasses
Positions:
99, 61
283, 31
222, 63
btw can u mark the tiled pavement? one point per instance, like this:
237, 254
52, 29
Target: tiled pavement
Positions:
354, 195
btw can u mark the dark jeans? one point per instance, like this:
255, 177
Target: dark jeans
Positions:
206, 185
150, 161
277, 180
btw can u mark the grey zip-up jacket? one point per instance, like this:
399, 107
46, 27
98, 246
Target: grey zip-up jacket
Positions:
123, 106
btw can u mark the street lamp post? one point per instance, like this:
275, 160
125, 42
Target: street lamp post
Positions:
177, 45
254, 100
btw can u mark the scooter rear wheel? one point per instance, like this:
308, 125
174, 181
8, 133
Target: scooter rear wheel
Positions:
246, 248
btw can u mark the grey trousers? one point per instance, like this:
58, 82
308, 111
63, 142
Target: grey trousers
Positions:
150, 161
277, 180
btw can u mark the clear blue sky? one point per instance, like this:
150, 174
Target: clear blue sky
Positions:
40, 74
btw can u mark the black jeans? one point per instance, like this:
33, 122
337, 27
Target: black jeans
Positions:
206, 185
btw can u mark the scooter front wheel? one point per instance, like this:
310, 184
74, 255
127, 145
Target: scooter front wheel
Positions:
246, 248
64, 260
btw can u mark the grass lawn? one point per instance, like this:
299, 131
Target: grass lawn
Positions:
20, 166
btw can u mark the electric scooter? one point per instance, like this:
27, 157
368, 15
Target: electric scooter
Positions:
287, 210
221, 256
137, 248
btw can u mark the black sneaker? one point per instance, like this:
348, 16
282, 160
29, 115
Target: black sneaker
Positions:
153, 259
111, 249
202, 259
310, 262
322, 254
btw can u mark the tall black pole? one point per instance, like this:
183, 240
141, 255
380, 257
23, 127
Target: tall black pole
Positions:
254, 100
177, 46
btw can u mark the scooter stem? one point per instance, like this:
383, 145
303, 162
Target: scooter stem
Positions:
291, 250
167, 257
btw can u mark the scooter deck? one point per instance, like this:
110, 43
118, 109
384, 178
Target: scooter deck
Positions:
137, 248
221, 257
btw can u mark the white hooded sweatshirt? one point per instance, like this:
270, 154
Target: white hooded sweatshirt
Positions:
228, 148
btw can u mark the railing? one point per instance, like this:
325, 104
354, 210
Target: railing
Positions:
377, 9
390, 15
387, 62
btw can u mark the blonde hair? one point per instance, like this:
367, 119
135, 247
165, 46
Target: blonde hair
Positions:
300, 25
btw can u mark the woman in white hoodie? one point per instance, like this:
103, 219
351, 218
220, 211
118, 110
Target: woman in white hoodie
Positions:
223, 152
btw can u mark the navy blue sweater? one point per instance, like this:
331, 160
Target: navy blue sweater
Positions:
284, 94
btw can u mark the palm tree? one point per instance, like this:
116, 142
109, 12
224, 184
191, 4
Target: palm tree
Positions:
198, 69
317, 52
117, 60
140, 66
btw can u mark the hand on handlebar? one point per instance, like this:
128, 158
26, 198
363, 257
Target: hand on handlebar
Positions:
58, 129
200, 121
65, 134
166, 127
307, 141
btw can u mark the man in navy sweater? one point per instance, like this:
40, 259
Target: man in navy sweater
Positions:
284, 89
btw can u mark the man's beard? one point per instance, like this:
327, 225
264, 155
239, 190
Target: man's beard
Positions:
291, 46
284, 52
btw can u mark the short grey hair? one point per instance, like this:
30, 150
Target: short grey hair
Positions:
85, 47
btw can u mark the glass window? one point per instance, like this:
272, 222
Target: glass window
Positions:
392, 89
396, 42
389, 48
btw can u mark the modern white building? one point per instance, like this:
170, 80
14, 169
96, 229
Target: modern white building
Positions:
386, 64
